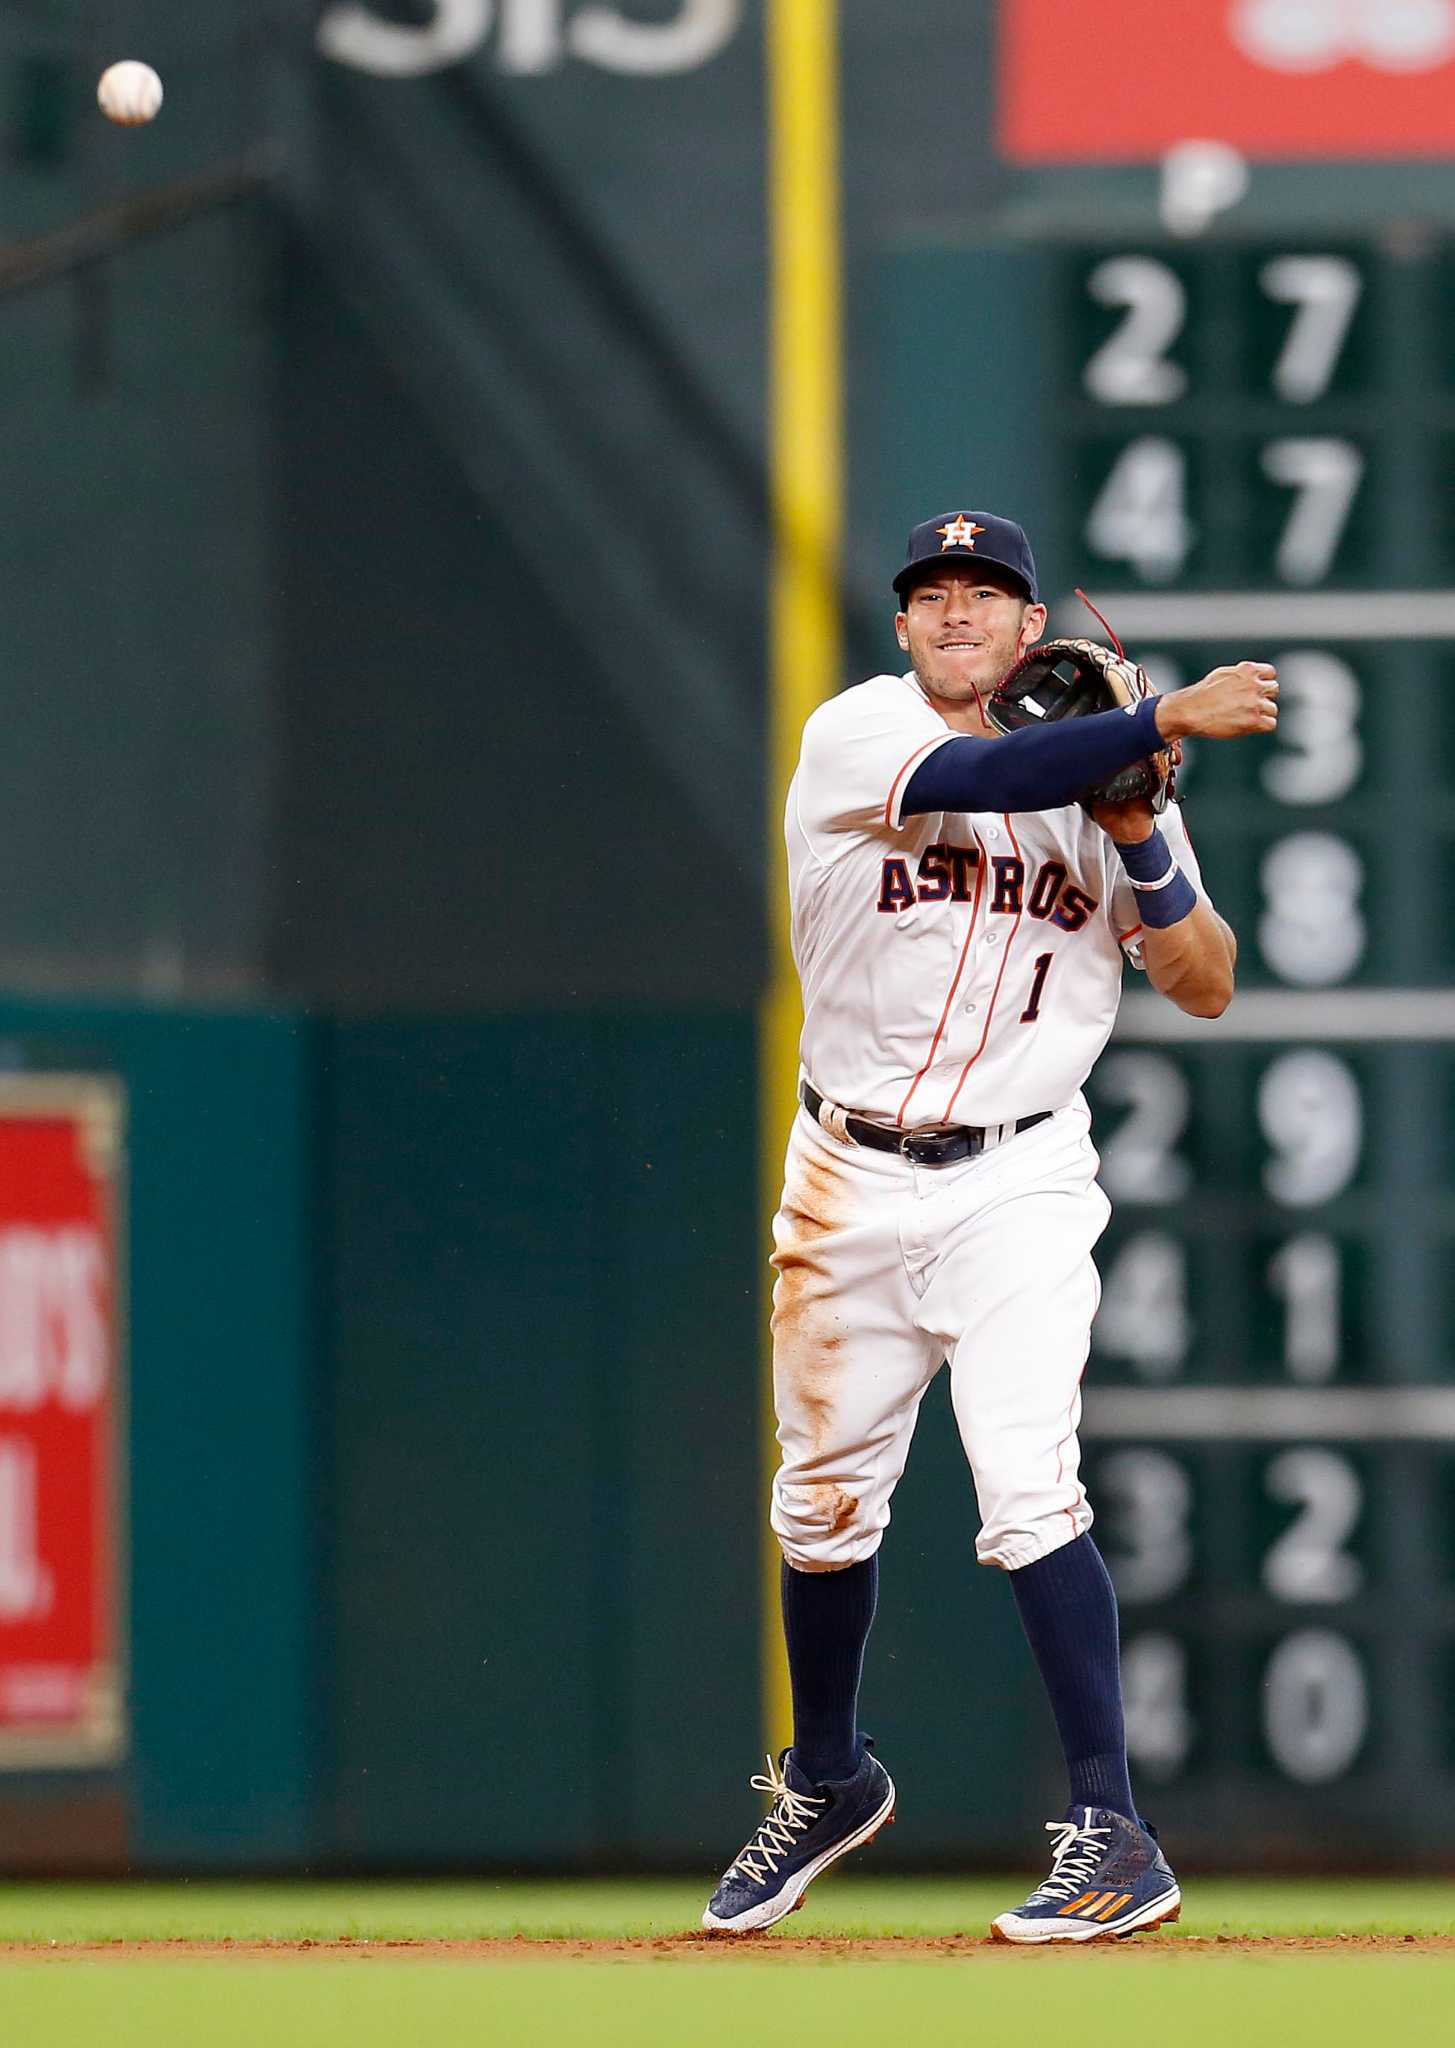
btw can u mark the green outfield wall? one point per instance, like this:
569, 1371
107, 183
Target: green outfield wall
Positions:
544, 1347
439, 1358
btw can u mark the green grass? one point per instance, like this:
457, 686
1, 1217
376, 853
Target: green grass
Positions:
747, 1998
552, 1910
1007, 1999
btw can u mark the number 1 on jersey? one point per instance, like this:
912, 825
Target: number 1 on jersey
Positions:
1042, 968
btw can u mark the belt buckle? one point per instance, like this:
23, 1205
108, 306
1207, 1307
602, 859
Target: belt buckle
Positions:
934, 1144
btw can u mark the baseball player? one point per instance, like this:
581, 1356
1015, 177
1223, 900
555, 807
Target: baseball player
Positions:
960, 921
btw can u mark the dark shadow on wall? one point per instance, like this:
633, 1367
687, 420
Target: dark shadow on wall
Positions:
465, 815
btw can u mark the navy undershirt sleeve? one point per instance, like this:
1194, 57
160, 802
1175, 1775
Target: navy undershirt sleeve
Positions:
1037, 769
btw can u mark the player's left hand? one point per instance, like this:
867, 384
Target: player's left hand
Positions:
1126, 822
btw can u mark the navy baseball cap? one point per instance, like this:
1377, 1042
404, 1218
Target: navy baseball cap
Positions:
975, 536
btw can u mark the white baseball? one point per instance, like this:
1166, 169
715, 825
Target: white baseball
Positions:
129, 93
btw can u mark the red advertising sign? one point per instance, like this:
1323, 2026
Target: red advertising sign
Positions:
61, 1679
1121, 81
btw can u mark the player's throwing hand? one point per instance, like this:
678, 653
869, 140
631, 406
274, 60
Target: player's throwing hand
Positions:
1224, 705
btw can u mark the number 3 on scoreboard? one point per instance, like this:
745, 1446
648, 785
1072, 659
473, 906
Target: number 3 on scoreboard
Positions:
1042, 968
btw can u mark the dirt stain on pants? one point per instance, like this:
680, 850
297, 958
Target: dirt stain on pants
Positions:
808, 1332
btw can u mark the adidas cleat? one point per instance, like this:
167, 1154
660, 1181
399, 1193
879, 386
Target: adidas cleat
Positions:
808, 1827
1108, 1876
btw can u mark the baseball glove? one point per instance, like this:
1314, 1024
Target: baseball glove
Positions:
1071, 679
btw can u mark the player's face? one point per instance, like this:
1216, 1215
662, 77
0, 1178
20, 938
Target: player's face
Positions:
964, 630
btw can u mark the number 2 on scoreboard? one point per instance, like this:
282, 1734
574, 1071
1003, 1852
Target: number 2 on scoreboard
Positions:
1042, 968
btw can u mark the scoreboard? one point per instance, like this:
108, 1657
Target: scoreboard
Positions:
1256, 448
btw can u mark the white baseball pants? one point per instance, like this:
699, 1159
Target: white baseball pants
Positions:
885, 1271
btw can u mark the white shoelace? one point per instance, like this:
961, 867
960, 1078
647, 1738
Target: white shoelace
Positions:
1074, 1857
790, 1814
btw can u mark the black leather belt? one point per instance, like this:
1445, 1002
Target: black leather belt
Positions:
925, 1148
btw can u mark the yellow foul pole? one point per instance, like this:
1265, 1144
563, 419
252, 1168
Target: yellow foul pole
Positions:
806, 458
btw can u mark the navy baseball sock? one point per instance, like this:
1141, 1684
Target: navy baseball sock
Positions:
1068, 1609
826, 1621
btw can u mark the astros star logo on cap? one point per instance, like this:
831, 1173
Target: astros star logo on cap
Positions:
960, 533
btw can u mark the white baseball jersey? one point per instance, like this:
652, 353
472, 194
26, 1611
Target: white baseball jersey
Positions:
960, 967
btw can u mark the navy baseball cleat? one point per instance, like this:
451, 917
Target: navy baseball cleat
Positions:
1108, 1876
808, 1827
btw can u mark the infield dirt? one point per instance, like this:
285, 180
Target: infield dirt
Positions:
720, 1950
